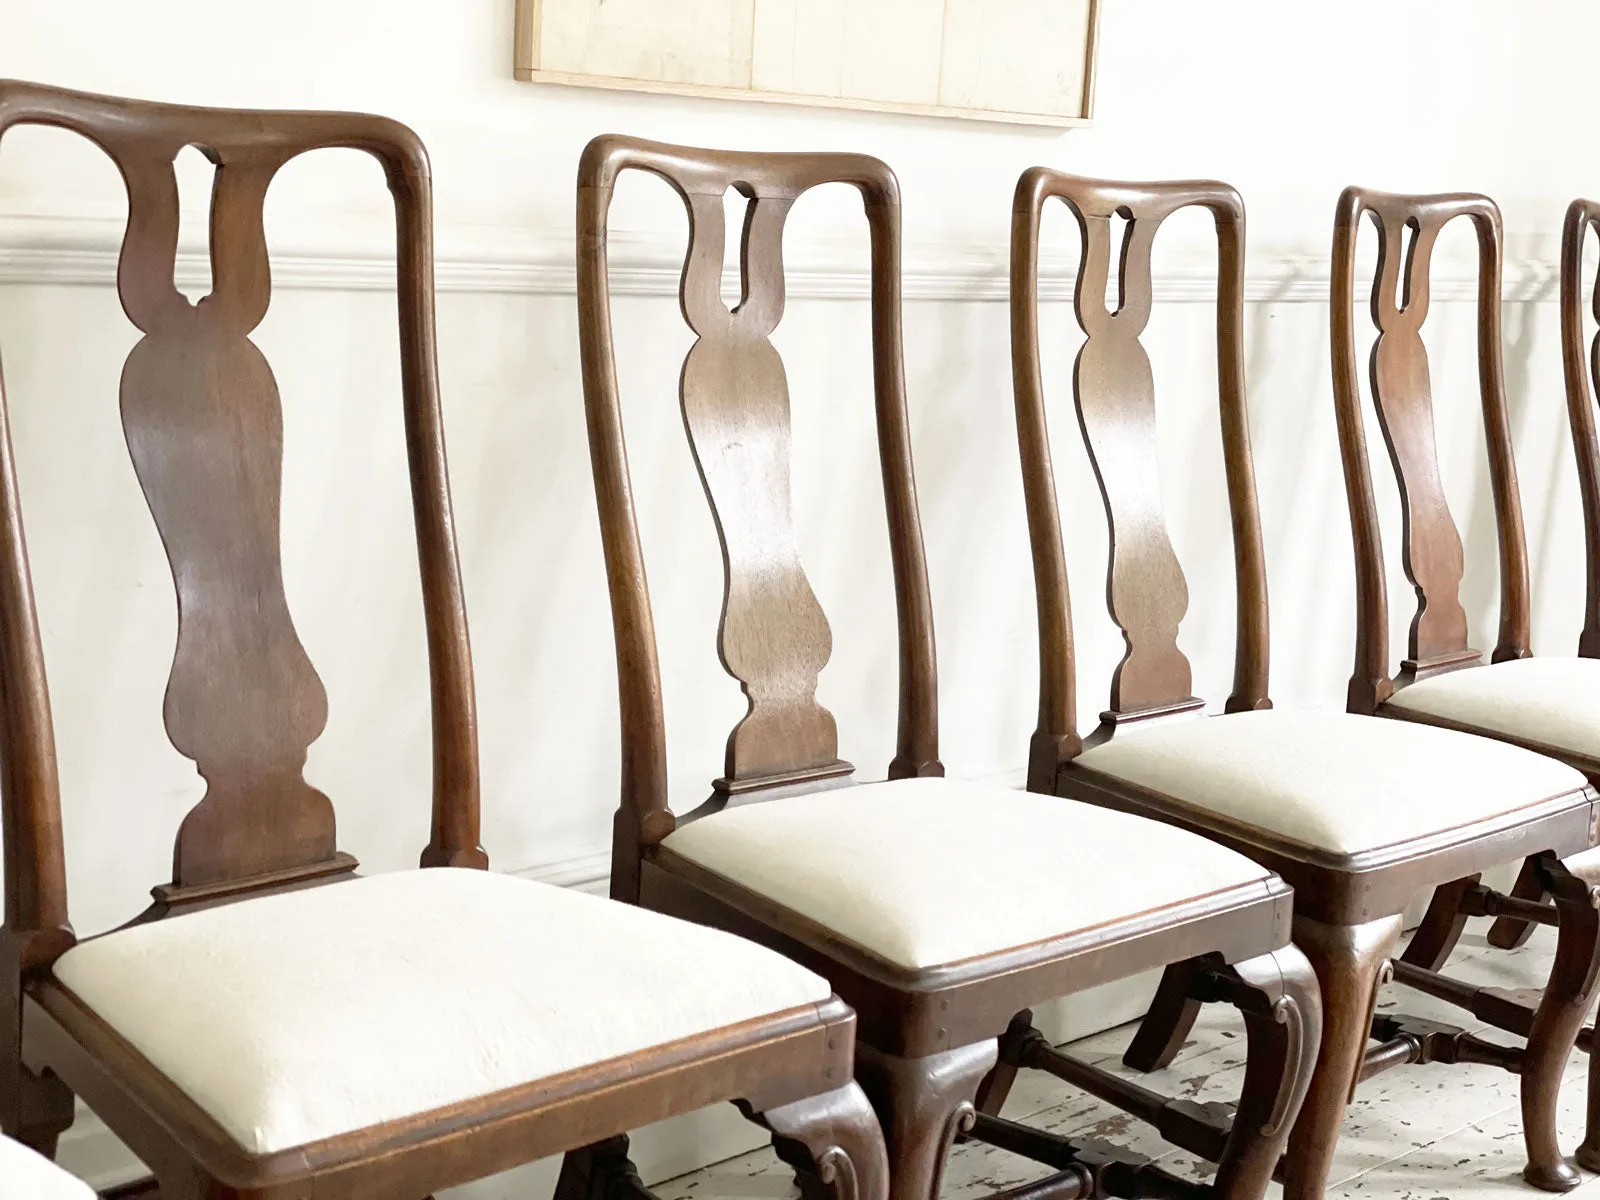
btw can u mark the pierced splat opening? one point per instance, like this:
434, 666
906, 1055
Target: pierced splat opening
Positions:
1408, 249
196, 176
736, 208
1591, 261
1119, 229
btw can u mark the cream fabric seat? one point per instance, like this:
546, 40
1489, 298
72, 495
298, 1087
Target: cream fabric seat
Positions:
1332, 780
1553, 701
25, 1175
924, 872
299, 1017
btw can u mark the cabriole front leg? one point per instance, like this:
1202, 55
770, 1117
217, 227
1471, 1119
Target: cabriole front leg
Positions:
834, 1144
1283, 1024
1350, 962
923, 1103
1556, 1023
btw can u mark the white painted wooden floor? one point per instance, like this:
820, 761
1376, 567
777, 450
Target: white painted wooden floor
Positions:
1414, 1133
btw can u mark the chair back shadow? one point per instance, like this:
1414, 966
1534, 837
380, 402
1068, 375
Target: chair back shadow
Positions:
1114, 391
203, 422
773, 636
1398, 374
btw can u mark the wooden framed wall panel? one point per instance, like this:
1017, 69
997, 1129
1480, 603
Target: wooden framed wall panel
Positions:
1027, 62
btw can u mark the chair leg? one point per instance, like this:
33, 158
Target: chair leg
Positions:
1283, 1026
996, 1085
833, 1143
37, 1111
1507, 933
1588, 1154
1167, 1024
1441, 926
34, 1109
602, 1171
1350, 962
48, 1111
922, 1103
142, 1189
1557, 1020
192, 1185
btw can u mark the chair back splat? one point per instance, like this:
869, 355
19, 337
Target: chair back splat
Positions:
203, 422
1431, 548
1114, 390
773, 637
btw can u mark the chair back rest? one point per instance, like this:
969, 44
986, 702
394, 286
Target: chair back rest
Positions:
773, 637
1114, 391
1431, 547
203, 422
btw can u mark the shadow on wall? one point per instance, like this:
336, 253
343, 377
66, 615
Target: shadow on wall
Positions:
1521, 345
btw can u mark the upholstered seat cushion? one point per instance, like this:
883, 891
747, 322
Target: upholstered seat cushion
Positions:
299, 1017
1552, 701
25, 1175
1332, 780
925, 872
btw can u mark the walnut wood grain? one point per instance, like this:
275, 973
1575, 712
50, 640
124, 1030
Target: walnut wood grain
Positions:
1115, 393
204, 426
735, 400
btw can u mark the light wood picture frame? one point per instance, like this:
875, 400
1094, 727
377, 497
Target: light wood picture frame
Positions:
1026, 62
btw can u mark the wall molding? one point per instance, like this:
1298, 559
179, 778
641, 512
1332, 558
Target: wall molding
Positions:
82, 251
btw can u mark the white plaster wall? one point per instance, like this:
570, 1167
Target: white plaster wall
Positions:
1285, 102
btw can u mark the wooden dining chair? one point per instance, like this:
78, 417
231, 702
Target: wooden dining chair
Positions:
27, 1175
1550, 704
940, 909
273, 1027
1357, 814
